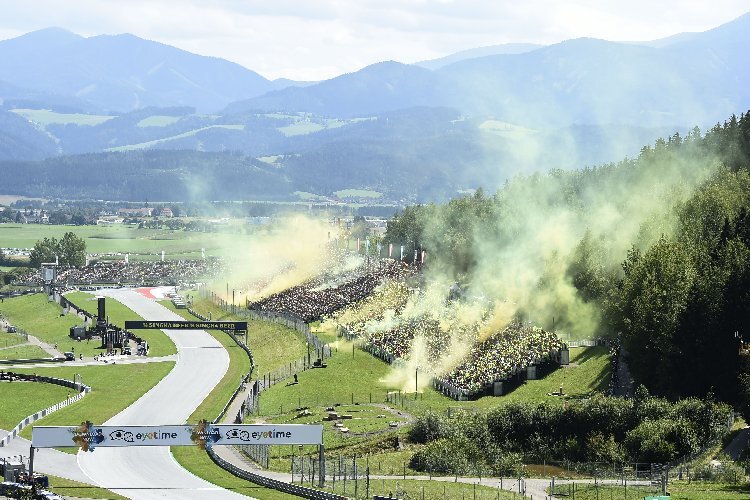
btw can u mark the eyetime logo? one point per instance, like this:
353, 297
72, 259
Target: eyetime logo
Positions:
248, 436
130, 437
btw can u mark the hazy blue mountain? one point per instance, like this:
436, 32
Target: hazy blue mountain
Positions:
694, 80
124, 72
505, 48
281, 83
378, 88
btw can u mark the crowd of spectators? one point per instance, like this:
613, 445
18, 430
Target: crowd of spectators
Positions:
178, 272
381, 322
332, 291
502, 355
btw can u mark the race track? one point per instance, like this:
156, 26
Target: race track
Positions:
151, 472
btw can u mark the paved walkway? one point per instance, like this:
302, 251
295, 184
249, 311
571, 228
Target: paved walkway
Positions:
49, 349
534, 487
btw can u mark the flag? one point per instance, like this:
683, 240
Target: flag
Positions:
390, 250
402, 252
357, 245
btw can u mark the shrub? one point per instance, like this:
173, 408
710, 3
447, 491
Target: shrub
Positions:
456, 455
428, 427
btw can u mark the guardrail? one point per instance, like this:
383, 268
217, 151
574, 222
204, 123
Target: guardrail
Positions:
292, 489
82, 388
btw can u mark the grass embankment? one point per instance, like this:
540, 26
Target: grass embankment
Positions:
23, 352
73, 489
10, 339
18, 400
679, 490
197, 461
114, 388
159, 343
273, 345
360, 378
418, 489
41, 318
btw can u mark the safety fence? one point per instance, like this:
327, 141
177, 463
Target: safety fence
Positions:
291, 488
317, 350
78, 386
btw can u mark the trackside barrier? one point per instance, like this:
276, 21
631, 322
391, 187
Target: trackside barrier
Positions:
245, 379
282, 486
84, 389
292, 489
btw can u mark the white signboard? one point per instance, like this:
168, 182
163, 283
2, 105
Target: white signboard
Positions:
87, 436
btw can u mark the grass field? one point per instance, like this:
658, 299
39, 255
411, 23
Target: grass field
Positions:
46, 117
360, 378
148, 144
679, 490
41, 318
273, 345
18, 400
126, 239
197, 461
158, 121
414, 489
357, 193
24, 352
159, 343
10, 339
114, 388
73, 489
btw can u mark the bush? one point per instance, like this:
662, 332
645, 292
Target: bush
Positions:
456, 455
603, 448
725, 472
428, 427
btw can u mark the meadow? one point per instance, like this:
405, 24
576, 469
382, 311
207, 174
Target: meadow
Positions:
46, 117
122, 239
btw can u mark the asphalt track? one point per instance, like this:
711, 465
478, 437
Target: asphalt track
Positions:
147, 472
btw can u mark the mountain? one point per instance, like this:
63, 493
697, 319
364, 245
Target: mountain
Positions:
378, 88
123, 72
696, 80
492, 50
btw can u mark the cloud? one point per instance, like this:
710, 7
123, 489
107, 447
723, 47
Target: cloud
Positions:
324, 38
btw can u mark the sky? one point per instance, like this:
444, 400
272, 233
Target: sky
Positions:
320, 39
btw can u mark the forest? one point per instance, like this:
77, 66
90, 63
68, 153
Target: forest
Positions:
653, 251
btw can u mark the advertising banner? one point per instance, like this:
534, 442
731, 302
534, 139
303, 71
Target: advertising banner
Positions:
88, 436
186, 325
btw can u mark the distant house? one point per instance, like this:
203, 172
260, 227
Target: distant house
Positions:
131, 212
166, 212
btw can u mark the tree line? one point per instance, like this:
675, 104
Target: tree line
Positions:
675, 287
